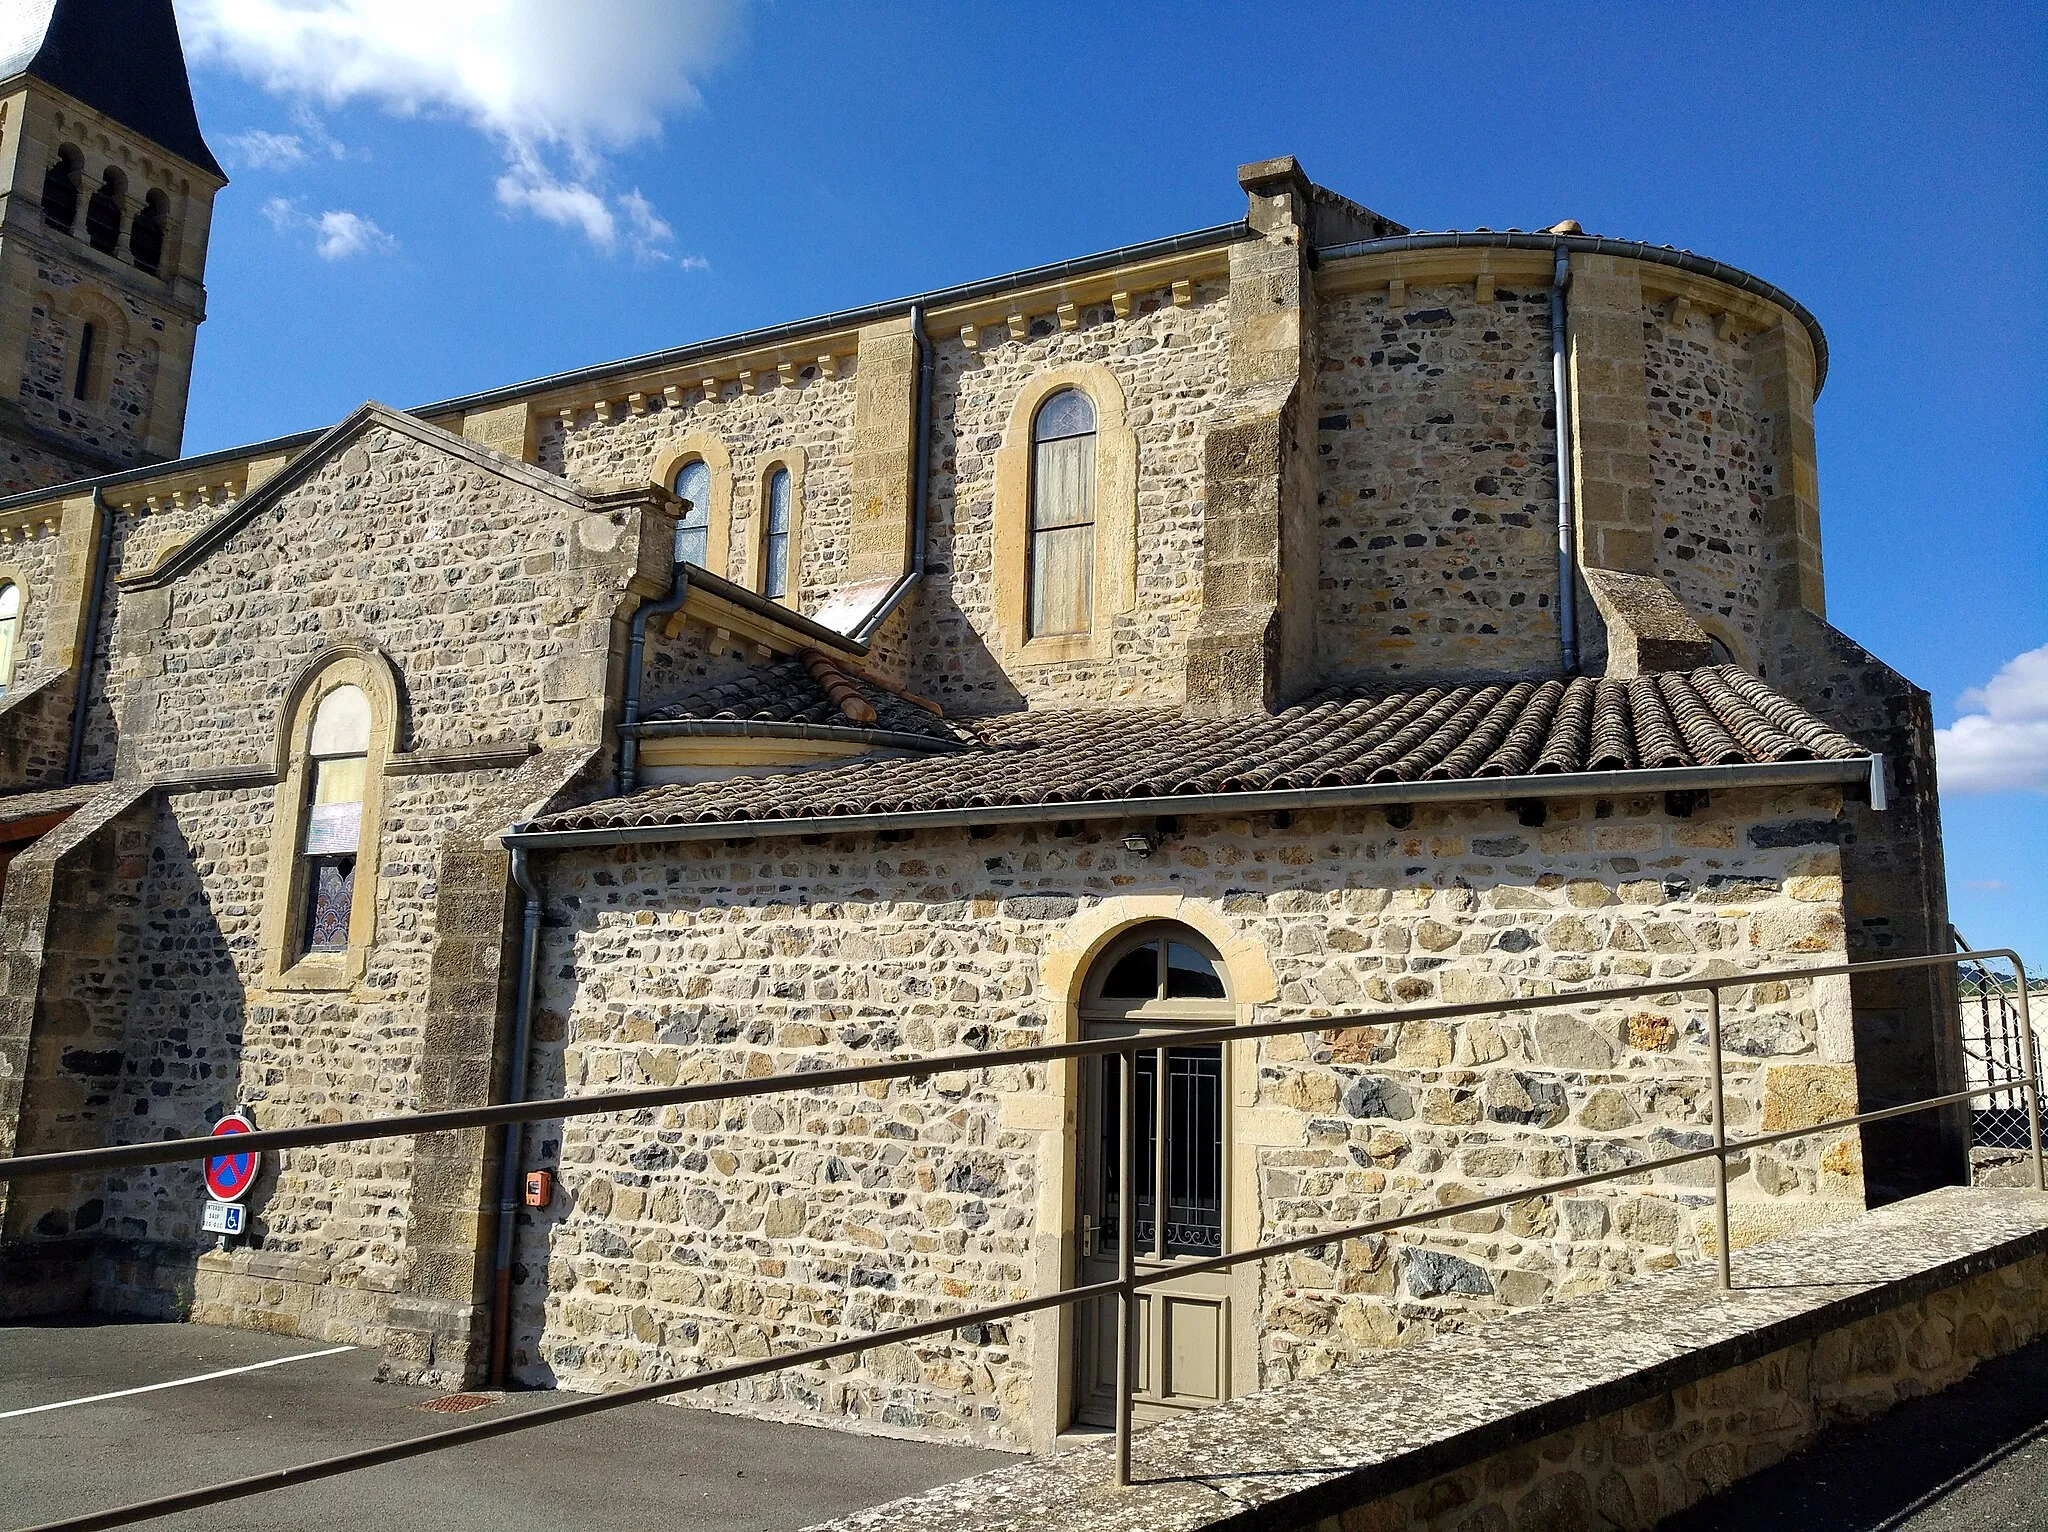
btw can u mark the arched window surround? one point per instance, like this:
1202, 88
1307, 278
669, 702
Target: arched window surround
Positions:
64, 189
106, 212
11, 642
80, 307
702, 446
1116, 519
287, 963
791, 461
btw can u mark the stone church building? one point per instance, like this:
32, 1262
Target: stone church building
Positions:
1299, 617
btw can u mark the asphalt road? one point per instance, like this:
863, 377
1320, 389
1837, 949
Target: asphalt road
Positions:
649, 1465
1972, 1459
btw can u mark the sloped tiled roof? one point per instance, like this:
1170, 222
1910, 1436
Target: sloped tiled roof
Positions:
1713, 717
786, 691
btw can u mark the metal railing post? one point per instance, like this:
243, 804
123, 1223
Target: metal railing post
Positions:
2032, 1075
1720, 1136
1126, 1262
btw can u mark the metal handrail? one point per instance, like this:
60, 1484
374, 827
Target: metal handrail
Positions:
1128, 1282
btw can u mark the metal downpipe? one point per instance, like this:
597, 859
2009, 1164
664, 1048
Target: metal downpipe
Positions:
74, 754
1567, 521
636, 648
920, 488
512, 1151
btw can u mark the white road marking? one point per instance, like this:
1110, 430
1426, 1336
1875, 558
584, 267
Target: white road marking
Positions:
150, 1388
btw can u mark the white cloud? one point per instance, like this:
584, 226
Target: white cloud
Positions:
1989, 885
2001, 743
337, 233
558, 87
260, 150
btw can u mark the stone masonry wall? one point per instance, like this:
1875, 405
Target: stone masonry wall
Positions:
679, 1241
116, 423
31, 557
1712, 471
814, 414
1437, 459
1170, 362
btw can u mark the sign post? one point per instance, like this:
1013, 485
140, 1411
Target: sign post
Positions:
228, 1179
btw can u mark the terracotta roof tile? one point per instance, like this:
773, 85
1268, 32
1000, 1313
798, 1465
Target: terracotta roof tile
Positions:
1442, 733
794, 691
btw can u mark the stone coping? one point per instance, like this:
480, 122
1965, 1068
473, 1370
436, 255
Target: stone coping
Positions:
1295, 1454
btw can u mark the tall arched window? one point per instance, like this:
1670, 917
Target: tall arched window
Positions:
775, 571
1160, 976
693, 531
146, 234
60, 188
339, 758
10, 631
1062, 560
103, 213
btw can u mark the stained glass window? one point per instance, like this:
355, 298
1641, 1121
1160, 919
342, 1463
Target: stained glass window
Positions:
1063, 515
330, 897
693, 531
775, 540
339, 771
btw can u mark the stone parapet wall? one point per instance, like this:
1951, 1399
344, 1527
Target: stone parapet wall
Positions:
711, 1233
1437, 471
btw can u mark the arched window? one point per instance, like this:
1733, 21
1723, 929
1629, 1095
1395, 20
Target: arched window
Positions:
1158, 977
146, 234
103, 213
338, 759
1062, 559
88, 347
775, 571
693, 531
10, 631
60, 188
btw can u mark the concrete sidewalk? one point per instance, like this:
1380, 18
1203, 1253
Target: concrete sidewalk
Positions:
649, 1465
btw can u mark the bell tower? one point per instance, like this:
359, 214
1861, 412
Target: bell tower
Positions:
106, 196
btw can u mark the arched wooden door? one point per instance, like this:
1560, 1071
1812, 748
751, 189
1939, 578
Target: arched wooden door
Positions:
1159, 976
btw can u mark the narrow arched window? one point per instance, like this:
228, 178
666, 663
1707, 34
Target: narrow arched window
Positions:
10, 631
693, 531
775, 537
339, 760
88, 343
1063, 515
60, 189
146, 234
103, 213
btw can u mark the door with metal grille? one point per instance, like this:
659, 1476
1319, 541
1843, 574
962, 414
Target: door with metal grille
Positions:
1156, 980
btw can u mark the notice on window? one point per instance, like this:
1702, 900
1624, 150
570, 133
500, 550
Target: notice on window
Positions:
333, 828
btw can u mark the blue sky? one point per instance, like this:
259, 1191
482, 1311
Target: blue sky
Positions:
443, 195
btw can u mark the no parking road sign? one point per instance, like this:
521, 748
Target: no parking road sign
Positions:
229, 1176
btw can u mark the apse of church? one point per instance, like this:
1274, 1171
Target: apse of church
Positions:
1165, 639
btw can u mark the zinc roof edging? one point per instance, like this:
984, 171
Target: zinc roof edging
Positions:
1868, 768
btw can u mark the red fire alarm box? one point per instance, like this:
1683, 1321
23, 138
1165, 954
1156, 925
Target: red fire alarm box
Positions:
540, 1188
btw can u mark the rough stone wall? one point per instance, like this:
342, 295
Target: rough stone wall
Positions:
115, 424
35, 731
33, 556
1438, 478
33, 465
1712, 473
699, 1236
1170, 362
815, 414
1632, 1469
449, 569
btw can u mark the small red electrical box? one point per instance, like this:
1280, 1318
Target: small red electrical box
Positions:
540, 1188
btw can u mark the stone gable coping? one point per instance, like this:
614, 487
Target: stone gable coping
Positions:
320, 452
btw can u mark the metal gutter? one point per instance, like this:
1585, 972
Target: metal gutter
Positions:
1567, 509
512, 1148
865, 630
1583, 784
774, 611
168, 466
764, 728
846, 319
636, 652
1593, 244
